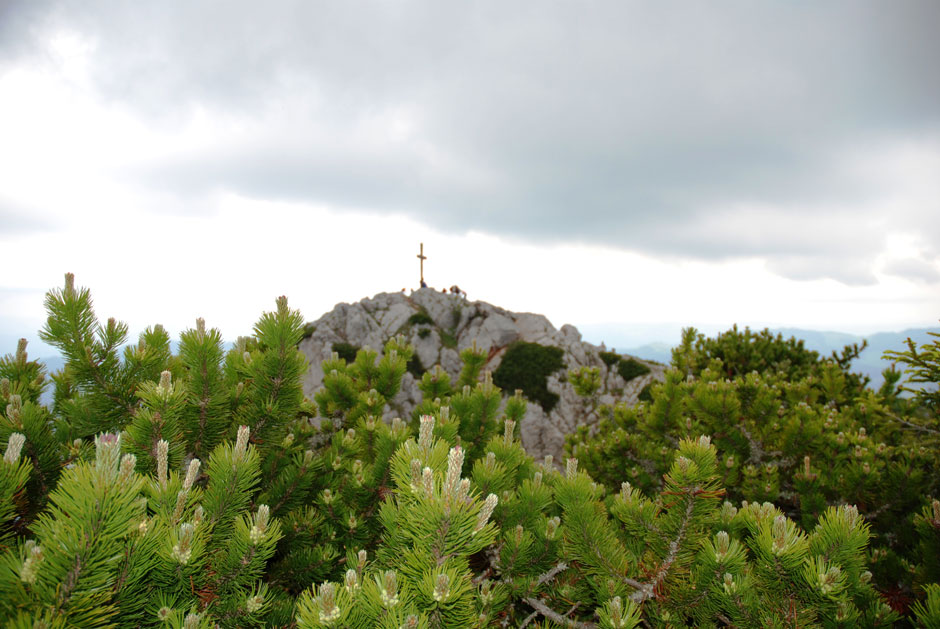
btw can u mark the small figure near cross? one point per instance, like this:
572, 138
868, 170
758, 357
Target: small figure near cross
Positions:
422, 257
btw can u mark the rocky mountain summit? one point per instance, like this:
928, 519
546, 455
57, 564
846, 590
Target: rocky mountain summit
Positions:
440, 325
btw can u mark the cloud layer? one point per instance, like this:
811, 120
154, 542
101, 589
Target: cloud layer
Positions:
728, 130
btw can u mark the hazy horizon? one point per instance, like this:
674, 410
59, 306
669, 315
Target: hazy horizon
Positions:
614, 335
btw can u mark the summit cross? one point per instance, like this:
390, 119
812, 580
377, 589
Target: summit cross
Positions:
422, 257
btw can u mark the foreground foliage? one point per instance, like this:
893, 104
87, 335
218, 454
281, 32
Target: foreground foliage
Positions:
799, 431
193, 490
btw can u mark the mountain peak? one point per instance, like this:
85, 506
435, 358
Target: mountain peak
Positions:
441, 324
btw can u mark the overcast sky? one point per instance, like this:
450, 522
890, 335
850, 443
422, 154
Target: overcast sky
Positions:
639, 163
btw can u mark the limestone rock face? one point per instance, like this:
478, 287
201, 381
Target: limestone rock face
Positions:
456, 324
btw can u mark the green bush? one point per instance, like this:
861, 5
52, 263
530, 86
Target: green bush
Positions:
448, 339
742, 352
309, 329
346, 351
610, 358
420, 318
526, 366
415, 368
802, 442
630, 369
424, 333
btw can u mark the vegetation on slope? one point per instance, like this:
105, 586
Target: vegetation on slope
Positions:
526, 367
192, 490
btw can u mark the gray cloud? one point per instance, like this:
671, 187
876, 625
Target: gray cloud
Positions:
654, 127
19, 22
916, 269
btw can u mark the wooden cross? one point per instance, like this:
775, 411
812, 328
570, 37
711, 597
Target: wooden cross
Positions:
422, 257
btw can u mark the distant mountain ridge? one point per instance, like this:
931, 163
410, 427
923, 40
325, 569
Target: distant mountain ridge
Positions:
870, 361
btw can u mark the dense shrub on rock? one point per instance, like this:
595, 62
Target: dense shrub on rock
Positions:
527, 366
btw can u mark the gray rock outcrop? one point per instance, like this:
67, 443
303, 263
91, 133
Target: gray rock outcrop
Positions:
455, 324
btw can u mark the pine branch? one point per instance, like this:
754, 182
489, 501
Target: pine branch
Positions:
757, 452
930, 431
554, 616
482, 576
634, 583
106, 387
871, 515
648, 466
203, 405
548, 576
645, 591
528, 619
290, 489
